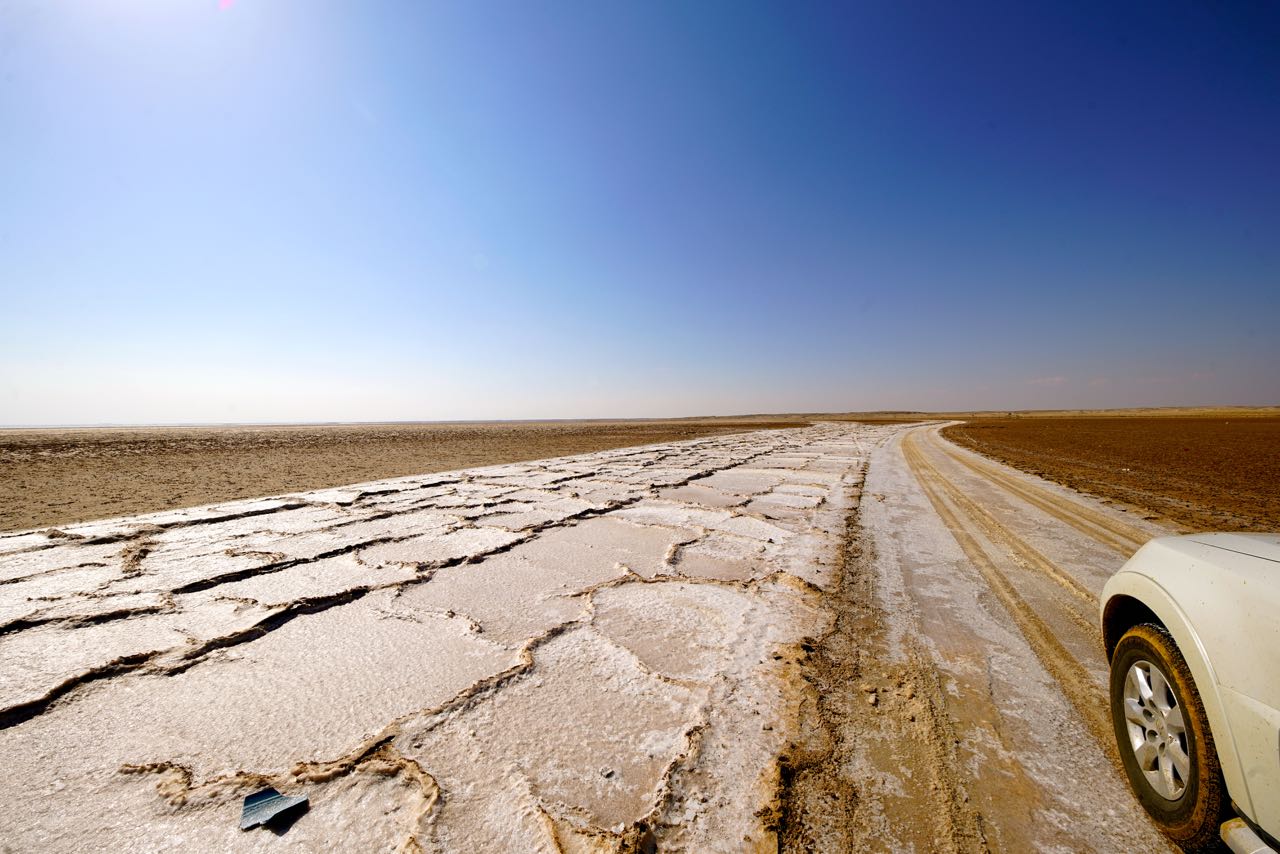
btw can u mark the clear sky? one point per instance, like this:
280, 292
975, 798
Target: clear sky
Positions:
280, 210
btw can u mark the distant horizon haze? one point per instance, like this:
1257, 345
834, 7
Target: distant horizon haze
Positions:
1269, 409
295, 212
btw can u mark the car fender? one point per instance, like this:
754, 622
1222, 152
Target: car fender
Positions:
1158, 600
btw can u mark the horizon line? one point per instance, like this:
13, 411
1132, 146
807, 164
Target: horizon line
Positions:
113, 425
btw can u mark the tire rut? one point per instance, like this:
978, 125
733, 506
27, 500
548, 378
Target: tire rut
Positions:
1122, 538
1074, 680
863, 700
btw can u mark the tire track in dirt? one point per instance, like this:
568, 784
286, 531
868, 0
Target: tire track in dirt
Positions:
860, 698
1082, 603
1074, 680
1019, 548
1118, 536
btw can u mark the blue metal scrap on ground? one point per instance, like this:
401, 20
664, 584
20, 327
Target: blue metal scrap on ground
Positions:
262, 806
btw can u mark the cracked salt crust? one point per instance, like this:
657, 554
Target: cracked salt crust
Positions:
581, 653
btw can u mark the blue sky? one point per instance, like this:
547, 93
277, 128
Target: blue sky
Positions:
283, 210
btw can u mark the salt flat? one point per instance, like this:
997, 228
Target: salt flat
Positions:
597, 652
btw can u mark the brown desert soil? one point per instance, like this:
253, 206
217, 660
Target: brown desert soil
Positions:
1200, 473
57, 476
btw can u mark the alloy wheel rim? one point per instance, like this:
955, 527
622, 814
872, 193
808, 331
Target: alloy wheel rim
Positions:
1157, 730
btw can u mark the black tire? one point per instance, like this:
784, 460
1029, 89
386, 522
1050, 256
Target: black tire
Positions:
1192, 818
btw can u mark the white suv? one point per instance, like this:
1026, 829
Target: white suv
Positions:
1192, 630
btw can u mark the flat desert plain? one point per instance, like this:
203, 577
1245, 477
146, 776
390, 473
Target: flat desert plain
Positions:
55, 476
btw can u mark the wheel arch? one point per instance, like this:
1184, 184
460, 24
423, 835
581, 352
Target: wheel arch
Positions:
1132, 599
1121, 613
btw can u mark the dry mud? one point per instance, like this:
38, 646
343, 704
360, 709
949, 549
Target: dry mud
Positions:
594, 653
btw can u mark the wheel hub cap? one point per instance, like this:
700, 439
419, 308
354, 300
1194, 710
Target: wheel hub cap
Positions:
1157, 731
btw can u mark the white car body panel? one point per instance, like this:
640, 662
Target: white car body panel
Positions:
1219, 597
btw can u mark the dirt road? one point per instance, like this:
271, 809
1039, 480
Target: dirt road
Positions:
979, 716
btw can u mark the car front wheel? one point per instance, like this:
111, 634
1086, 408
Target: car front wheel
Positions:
1164, 738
